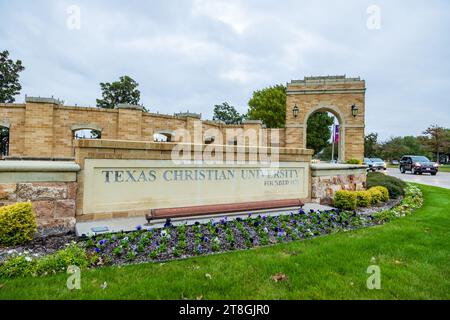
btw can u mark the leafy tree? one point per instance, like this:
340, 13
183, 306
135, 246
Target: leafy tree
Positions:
396, 147
269, 105
437, 140
9, 77
122, 91
371, 145
228, 114
318, 131
325, 153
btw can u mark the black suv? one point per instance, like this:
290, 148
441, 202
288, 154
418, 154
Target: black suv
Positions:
418, 165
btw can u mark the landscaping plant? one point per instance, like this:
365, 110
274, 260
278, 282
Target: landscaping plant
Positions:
218, 235
17, 224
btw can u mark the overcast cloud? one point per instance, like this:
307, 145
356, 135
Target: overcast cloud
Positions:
194, 54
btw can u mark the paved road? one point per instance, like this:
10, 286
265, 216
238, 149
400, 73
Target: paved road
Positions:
442, 179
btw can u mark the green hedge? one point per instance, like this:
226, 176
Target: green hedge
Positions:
376, 195
344, 199
17, 224
384, 193
354, 161
349, 200
363, 198
396, 187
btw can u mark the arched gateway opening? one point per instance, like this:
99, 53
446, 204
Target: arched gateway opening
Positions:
340, 96
325, 135
4, 141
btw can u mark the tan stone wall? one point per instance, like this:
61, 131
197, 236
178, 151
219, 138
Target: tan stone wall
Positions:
13, 115
45, 130
53, 202
323, 188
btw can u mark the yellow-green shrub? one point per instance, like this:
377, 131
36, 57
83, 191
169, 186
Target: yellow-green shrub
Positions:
354, 161
376, 195
384, 192
17, 224
344, 199
363, 198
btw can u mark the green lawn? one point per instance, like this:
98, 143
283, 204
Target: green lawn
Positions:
413, 254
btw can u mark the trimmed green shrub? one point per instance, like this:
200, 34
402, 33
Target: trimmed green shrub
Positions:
363, 198
17, 224
344, 199
376, 195
396, 187
354, 161
384, 191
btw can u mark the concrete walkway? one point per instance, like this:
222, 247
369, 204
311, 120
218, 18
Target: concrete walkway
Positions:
130, 224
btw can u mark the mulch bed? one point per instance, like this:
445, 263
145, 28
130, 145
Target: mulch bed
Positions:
220, 235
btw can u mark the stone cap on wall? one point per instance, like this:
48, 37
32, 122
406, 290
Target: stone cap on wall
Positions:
168, 146
331, 169
43, 100
314, 80
188, 114
14, 171
252, 122
129, 106
38, 165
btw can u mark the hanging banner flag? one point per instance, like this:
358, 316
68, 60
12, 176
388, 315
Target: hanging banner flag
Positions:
336, 133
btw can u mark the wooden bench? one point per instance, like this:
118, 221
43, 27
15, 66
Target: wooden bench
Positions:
180, 212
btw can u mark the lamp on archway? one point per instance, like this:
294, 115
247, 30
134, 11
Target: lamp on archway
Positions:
354, 111
295, 111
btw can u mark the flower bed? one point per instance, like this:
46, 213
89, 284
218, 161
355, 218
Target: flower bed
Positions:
221, 235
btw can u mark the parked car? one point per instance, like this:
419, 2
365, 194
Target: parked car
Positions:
378, 164
418, 165
369, 164
395, 162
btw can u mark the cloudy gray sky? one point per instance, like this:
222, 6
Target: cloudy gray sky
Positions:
196, 53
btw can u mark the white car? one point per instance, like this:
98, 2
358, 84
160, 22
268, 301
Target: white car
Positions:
378, 164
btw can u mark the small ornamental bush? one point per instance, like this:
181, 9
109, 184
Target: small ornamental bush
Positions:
413, 199
344, 199
363, 198
18, 266
384, 192
376, 195
396, 187
17, 224
354, 161
60, 260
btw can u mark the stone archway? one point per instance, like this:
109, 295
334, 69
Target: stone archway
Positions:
321, 107
336, 94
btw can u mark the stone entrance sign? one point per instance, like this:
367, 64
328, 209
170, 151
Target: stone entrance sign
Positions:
112, 185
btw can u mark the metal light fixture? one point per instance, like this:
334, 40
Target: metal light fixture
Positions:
354, 111
295, 111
